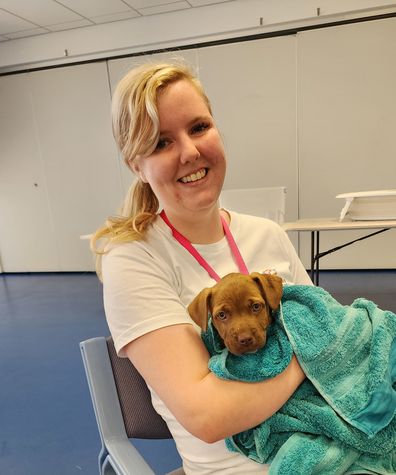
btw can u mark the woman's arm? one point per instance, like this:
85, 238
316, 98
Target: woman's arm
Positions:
174, 362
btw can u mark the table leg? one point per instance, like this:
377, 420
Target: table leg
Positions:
312, 269
316, 254
317, 259
314, 272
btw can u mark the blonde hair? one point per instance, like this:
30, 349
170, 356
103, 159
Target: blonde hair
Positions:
136, 131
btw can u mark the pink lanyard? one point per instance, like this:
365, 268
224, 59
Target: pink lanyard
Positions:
191, 249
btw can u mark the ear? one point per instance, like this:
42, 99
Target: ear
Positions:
135, 166
200, 307
271, 288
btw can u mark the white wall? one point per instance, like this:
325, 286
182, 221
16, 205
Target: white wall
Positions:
26, 231
59, 177
306, 111
346, 115
258, 117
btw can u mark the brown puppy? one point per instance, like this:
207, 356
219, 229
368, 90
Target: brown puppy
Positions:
240, 306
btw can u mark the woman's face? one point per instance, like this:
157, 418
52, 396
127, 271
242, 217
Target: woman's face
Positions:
186, 171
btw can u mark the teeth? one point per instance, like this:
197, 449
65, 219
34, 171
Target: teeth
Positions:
194, 176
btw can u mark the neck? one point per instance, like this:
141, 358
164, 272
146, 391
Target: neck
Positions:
201, 228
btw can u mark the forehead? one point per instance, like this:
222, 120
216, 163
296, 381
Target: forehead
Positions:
238, 288
180, 98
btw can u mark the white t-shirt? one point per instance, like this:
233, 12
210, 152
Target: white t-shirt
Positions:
148, 284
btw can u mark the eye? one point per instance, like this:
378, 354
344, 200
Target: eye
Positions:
221, 315
200, 127
161, 144
256, 307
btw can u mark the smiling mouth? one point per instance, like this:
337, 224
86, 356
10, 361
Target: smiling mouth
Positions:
194, 176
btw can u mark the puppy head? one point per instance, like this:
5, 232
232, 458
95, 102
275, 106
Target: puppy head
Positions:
240, 307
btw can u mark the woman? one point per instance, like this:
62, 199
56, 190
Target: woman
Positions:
163, 125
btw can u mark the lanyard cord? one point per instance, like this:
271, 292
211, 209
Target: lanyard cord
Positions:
191, 249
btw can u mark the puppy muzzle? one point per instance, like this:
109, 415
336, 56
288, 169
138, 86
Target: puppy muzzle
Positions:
245, 342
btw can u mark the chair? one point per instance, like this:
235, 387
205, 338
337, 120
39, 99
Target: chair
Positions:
265, 202
123, 409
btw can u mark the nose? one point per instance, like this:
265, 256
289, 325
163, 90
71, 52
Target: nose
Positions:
188, 150
245, 339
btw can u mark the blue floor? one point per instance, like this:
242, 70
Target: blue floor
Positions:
47, 425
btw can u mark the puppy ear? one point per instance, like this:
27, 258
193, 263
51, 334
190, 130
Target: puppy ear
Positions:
271, 288
200, 307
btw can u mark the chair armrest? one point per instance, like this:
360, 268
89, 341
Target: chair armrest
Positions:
103, 389
122, 455
125, 459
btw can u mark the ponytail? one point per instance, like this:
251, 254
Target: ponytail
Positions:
138, 212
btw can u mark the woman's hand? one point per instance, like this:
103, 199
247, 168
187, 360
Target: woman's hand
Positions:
174, 362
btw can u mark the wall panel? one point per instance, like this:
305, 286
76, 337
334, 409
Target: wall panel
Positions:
252, 89
346, 99
59, 174
27, 235
72, 112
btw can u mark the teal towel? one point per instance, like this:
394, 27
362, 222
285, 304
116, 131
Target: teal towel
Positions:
342, 418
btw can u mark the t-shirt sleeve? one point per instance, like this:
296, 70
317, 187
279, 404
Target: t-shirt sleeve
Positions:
140, 294
297, 270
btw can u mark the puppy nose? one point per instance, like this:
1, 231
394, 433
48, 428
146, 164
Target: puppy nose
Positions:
245, 340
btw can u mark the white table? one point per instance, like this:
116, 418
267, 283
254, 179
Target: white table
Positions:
333, 224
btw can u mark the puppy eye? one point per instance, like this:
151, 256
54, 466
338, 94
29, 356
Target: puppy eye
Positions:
256, 307
221, 315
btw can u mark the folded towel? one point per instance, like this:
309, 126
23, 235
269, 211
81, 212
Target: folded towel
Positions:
342, 418
348, 352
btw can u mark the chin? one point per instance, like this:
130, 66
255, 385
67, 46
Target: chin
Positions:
208, 206
203, 201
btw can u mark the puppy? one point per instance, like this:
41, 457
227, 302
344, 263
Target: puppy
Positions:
240, 306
